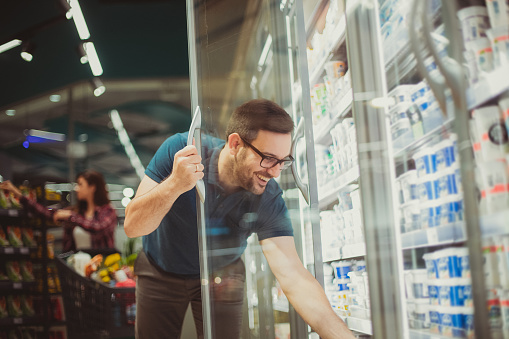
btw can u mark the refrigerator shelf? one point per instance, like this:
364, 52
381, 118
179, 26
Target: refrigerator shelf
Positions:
434, 236
425, 334
495, 224
491, 86
329, 193
337, 40
359, 325
402, 148
342, 108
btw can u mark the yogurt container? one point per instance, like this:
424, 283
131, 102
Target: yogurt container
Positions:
341, 284
420, 284
451, 321
421, 314
447, 263
408, 182
499, 38
474, 22
431, 267
411, 216
428, 214
424, 160
433, 291
444, 151
463, 262
426, 187
402, 93
398, 112
434, 319
467, 314
498, 12
451, 291
341, 269
483, 52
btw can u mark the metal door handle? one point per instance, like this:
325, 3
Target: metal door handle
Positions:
196, 125
304, 188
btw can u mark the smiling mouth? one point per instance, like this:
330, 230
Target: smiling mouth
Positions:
263, 178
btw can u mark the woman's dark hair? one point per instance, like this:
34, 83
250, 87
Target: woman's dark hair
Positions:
256, 115
94, 178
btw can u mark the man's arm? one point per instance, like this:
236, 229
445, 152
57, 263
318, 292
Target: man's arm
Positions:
152, 201
302, 290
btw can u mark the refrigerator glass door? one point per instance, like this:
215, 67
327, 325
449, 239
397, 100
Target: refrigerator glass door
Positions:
238, 51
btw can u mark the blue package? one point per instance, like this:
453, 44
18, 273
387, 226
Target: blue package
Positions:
468, 322
451, 293
434, 318
431, 267
433, 294
451, 321
423, 162
428, 216
464, 263
447, 263
425, 189
441, 186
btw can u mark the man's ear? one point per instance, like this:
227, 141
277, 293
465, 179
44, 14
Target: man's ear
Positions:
234, 143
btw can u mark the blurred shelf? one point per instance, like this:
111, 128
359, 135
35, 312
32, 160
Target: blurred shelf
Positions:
16, 286
329, 193
353, 251
434, 236
341, 109
281, 305
11, 212
405, 145
10, 250
360, 325
336, 41
490, 86
10, 321
495, 224
425, 334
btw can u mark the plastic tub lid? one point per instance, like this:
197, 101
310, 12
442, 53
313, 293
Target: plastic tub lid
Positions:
448, 252
473, 10
341, 264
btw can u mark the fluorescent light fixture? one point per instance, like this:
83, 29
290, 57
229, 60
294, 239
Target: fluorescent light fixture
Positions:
55, 98
126, 142
93, 59
79, 19
99, 87
46, 135
10, 112
11, 44
265, 51
128, 192
27, 51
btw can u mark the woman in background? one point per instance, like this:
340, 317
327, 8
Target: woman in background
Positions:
92, 218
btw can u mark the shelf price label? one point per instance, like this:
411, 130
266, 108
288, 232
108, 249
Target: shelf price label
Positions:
17, 321
24, 250
17, 285
12, 213
9, 250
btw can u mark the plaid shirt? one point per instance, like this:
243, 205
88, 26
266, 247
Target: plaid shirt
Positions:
101, 227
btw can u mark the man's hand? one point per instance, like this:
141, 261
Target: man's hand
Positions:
187, 168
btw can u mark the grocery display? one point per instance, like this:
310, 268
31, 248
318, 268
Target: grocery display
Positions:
31, 304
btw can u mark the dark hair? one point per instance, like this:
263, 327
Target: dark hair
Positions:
96, 179
256, 115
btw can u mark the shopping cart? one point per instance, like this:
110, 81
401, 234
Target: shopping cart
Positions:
93, 309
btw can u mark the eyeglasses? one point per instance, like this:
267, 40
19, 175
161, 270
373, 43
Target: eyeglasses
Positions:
268, 161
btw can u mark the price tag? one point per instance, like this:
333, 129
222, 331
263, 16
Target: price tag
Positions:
432, 235
18, 321
24, 250
9, 250
17, 285
12, 213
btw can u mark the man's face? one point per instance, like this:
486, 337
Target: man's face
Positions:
247, 171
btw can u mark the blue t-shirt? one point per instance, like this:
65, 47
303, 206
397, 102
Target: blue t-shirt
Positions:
230, 219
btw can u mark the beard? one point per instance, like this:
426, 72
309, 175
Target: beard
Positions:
244, 176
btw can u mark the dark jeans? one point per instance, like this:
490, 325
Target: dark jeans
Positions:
162, 300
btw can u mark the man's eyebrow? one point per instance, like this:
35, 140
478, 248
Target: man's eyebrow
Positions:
275, 156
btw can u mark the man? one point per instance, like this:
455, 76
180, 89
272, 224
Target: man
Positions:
241, 199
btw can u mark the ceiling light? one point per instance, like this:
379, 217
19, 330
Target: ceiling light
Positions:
93, 59
79, 19
10, 112
46, 135
27, 51
128, 192
83, 54
99, 87
55, 98
11, 44
265, 51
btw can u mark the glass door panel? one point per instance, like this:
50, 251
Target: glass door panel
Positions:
240, 51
